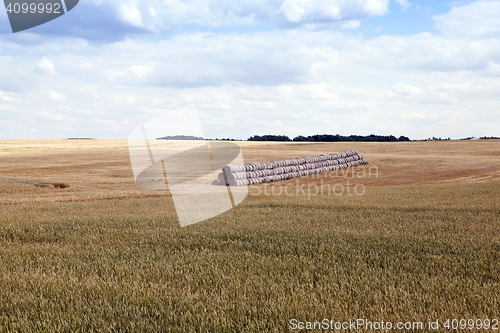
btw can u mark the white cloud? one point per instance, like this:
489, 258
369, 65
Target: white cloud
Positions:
17, 74
405, 89
425, 52
56, 96
195, 60
350, 25
477, 19
111, 20
131, 14
321, 11
375, 7
286, 81
49, 115
8, 97
297, 11
45, 67
404, 4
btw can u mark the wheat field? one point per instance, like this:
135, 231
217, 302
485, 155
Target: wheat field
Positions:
82, 249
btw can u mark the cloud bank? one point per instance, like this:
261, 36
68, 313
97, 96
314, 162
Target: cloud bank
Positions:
308, 75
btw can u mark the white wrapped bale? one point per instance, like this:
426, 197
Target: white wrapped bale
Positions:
256, 173
233, 168
221, 178
269, 179
239, 182
236, 175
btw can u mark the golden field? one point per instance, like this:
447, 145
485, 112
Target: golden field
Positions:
82, 249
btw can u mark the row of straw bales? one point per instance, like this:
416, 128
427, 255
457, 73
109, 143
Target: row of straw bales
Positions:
256, 173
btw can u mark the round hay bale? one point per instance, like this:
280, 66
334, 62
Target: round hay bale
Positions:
233, 168
220, 177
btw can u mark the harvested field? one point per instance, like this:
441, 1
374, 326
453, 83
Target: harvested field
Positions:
100, 169
83, 249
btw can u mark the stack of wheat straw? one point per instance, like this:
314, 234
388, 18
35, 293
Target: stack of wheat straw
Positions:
256, 173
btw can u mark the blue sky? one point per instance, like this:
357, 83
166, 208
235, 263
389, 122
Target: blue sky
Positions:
295, 67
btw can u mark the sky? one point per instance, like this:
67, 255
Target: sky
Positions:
421, 69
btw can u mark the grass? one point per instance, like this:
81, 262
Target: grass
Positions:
395, 254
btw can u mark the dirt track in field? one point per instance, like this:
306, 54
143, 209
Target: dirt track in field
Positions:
74, 170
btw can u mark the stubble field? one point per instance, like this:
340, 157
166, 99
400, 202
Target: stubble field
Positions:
83, 249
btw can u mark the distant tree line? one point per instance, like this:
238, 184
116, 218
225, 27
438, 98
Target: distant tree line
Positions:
437, 139
269, 138
330, 138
